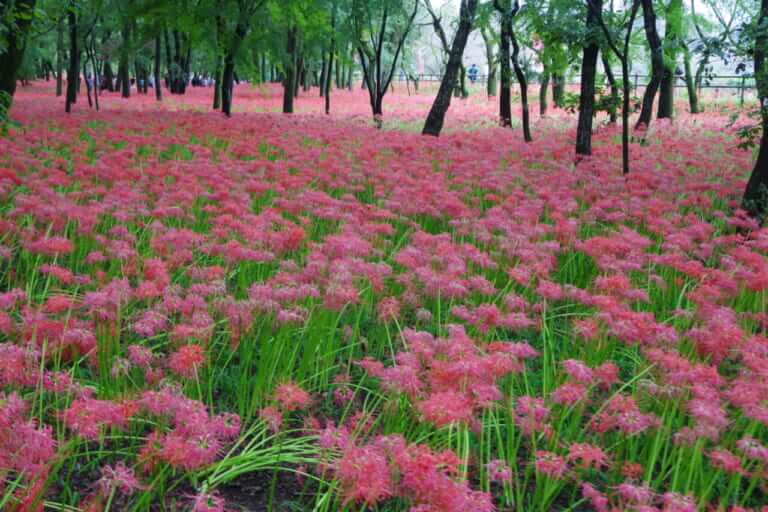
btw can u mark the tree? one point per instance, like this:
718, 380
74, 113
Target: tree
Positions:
505, 96
672, 42
16, 22
246, 9
520, 74
588, 74
623, 56
437, 24
755, 200
657, 64
489, 37
73, 71
436, 117
373, 44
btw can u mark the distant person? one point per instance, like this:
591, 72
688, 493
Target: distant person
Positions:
473, 71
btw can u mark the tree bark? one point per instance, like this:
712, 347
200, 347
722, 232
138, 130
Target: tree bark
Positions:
436, 117
218, 66
228, 75
329, 74
558, 89
289, 81
59, 58
523, 85
73, 71
543, 89
11, 59
672, 39
614, 88
87, 85
123, 70
755, 200
158, 82
490, 85
505, 95
588, 73
690, 84
657, 64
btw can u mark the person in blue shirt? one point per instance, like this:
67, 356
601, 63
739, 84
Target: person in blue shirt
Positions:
472, 72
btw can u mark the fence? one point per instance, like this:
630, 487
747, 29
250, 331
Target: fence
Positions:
740, 84
709, 81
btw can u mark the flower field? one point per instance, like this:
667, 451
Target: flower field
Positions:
302, 312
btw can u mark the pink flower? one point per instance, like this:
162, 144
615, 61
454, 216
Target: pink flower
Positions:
291, 397
118, 478
550, 464
186, 361
569, 394
365, 475
272, 417
588, 455
498, 471
444, 408
208, 502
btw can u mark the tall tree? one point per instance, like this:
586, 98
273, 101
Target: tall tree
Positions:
17, 21
393, 24
489, 37
588, 74
73, 71
657, 64
505, 95
246, 10
520, 74
623, 55
672, 41
436, 117
437, 24
291, 77
156, 70
755, 199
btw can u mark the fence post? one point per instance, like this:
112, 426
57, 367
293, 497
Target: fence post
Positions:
743, 85
635, 87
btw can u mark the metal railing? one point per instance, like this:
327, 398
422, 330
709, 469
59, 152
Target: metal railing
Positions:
709, 82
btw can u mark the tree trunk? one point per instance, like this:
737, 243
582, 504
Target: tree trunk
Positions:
91, 52
169, 64
436, 117
73, 72
672, 39
87, 84
614, 88
11, 58
158, 83
59, 58
523, 85
463, 82
543, 93
755, 199
123, 70
490, 85
329, 74
218, 66
323, 72
505, 96
289, 81
328, 80
558, 89
588, 73
657, 64
228, 75
690, 85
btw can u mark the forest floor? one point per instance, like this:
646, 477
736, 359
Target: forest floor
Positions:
274, 312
